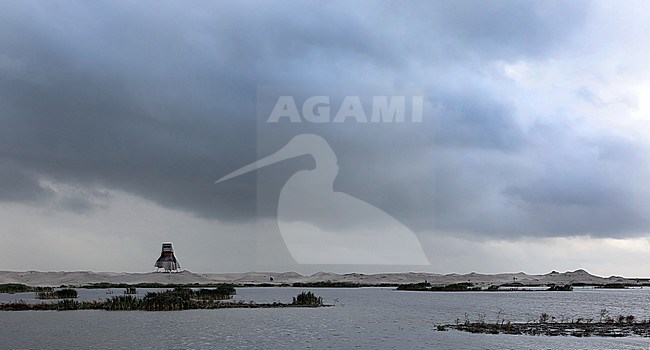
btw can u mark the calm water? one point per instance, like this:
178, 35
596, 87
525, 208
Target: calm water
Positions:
362, 318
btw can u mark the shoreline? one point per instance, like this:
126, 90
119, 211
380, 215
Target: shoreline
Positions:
325, 279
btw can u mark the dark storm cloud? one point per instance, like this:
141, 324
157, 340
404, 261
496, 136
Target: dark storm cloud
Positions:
477, 119
123, 106
19, 185
159, 99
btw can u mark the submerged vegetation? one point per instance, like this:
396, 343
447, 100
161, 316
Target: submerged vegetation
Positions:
605, 326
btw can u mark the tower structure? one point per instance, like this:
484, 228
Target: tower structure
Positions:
167, 260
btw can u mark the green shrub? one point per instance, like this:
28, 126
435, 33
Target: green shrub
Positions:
307, 299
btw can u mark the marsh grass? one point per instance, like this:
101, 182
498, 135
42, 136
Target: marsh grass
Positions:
547, 325
12, 288
66, 293
169, 300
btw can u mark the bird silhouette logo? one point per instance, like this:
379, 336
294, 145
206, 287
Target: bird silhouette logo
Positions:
364, 234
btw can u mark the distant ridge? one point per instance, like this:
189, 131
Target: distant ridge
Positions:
81, 278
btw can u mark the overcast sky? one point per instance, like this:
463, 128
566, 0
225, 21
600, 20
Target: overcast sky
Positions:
116, 119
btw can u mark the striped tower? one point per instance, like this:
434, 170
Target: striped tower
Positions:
167, 260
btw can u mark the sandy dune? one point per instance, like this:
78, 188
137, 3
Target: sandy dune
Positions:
37, 278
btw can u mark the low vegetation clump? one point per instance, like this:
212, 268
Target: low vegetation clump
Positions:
423, 286
12, 288
560, 288
514, 285
545, 324
307, 299
326, 284
67, 304
219, 293
470, 287
66, 293
169, 300
456, 287
122, 303
106, 285
62, 305
426, 286
179, 298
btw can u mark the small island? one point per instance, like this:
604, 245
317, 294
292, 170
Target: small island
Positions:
175, 299
547, 325
469, 287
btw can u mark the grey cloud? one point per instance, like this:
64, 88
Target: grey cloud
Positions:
159, 100
19, 186
508, 29
588, 96
477, 119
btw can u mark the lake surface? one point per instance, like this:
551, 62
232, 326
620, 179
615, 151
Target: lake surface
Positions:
363, 318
